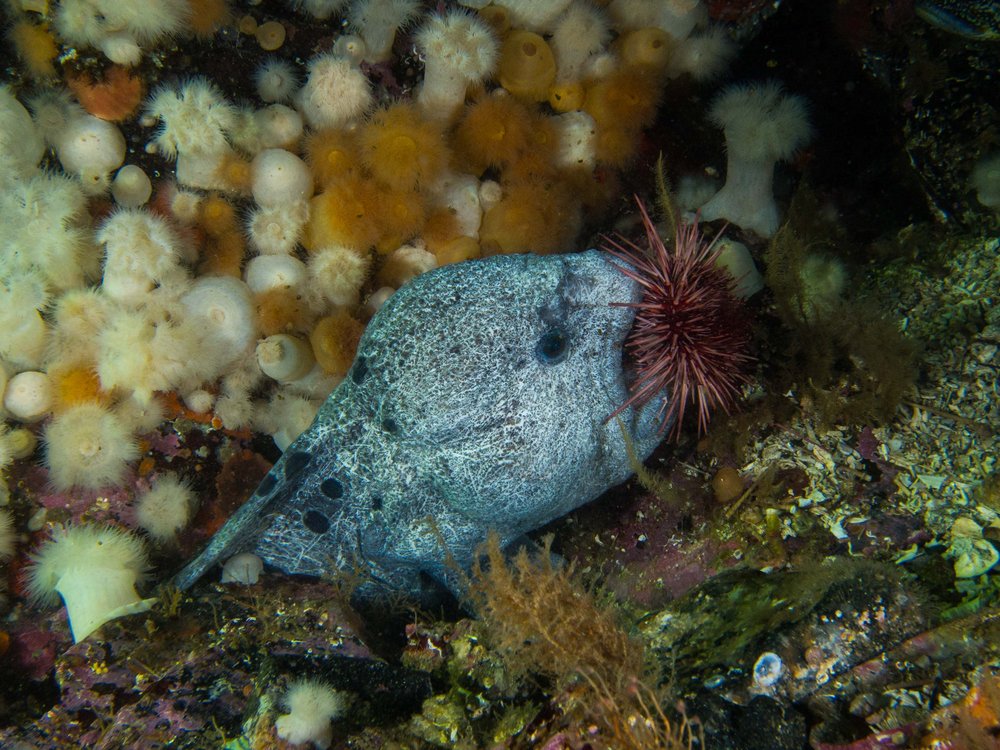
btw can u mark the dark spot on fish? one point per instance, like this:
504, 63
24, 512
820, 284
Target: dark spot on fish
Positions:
390, 426
267, 484
316, 522
359, 370
376, 503
552, 347
296, 463
332, 488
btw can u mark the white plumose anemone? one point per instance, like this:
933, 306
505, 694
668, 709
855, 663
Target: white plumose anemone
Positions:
90, 148
335, 93
458, 49
279, 177
119, 29
276, 230
194, 118
276, 80
311, 705
131, 187
88, 446
21, 143
166, 508
763, 125
283, 357
244, 568
95, 570
376, 21
221, 309
141, 251
28, 396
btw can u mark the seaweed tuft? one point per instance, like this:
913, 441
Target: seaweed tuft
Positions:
846, 356
544, 624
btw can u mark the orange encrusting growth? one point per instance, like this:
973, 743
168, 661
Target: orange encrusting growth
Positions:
173, 408
114, 98
146, 466
334, 341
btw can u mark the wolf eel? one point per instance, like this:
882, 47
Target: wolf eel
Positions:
478, 400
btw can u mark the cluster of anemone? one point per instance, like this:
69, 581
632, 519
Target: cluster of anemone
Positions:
285, 214
287, 224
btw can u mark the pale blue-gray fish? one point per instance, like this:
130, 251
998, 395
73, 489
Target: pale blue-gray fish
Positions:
973, 19
478, 400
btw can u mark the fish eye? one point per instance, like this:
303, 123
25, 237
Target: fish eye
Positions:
552, 347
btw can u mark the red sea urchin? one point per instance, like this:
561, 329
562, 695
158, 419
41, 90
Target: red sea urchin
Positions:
691, 333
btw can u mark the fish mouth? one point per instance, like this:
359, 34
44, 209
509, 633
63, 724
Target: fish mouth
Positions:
647, 413
619, 295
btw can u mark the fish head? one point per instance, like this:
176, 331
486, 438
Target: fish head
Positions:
503, 372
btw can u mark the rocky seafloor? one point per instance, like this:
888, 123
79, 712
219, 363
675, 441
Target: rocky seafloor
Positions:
817, 571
